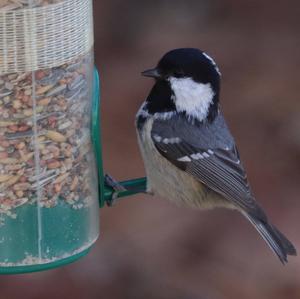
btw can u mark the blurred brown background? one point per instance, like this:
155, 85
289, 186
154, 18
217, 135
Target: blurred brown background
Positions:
148, 247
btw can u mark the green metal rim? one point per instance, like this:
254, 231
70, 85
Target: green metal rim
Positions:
43, 267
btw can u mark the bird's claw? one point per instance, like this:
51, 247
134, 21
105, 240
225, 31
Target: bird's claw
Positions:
116, 186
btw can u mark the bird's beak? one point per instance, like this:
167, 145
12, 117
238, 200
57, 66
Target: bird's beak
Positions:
153, 73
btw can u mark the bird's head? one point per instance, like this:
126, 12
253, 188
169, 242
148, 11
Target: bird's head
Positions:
194, 81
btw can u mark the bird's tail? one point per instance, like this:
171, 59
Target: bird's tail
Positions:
279, 244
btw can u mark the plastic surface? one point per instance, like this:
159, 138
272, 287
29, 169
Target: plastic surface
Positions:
43, 267
48, 177
40, 238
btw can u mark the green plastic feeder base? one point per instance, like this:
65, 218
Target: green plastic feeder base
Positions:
43, 267
67, 234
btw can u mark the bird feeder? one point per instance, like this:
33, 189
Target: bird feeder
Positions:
51, 173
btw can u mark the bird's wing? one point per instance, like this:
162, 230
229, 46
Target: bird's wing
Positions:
209, 154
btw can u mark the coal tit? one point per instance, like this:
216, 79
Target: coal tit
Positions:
189, 153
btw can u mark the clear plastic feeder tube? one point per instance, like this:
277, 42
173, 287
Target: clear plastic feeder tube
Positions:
48, 179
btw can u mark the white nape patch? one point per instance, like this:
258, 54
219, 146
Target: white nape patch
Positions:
192, 97
184, 159
213, 63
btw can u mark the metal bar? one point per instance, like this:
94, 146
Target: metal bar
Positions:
132, 187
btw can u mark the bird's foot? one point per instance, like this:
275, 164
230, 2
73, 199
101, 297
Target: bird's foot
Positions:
116, 186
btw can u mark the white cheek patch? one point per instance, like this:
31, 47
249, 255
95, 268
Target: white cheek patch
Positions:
192, 97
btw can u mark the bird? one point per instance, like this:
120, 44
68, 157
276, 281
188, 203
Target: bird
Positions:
189, 154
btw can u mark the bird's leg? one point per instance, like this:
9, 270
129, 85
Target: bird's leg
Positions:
116, 186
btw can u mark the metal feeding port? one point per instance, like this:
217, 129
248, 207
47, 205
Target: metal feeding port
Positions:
50, 183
